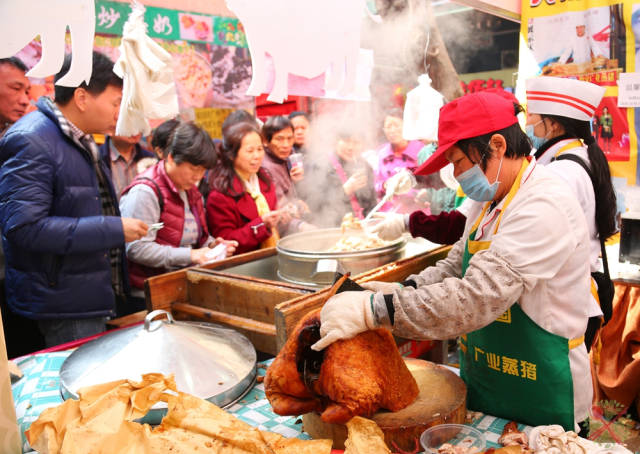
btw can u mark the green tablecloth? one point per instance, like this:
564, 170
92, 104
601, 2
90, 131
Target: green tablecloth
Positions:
40, 389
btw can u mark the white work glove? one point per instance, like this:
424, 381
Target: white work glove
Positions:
349, 313
384, 287
392, 227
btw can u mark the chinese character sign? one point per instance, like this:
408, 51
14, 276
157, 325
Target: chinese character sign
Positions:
172, 24
111, 16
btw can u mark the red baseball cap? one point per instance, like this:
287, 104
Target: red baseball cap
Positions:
469, 116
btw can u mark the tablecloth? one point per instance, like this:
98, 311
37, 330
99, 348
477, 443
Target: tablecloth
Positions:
40, 389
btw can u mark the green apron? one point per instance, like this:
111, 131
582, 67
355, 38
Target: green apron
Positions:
513, 368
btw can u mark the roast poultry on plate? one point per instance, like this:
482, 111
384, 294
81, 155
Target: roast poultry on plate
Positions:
351, 377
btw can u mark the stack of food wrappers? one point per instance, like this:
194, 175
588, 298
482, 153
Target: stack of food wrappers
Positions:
102, 421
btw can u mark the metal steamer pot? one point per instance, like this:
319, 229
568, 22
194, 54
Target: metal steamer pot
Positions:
303, 257
208, 361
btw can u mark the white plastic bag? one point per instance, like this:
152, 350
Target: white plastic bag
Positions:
421, 111
149, 88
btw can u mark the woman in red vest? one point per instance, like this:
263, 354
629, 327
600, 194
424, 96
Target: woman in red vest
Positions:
242, 203
168, 193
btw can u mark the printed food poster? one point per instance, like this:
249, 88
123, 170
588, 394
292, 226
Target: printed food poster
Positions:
206, 75
591, 40
196, 27
211, 61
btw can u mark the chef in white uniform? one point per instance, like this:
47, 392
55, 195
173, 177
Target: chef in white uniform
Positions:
559, 113
513, 287
581, 47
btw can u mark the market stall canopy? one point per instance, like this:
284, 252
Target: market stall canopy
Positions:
20, 22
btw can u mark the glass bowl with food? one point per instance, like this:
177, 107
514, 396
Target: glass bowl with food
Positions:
452, 439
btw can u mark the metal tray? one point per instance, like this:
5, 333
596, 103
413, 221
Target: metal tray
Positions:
207, 360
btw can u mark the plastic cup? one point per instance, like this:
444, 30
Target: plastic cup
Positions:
455, 434
295, 159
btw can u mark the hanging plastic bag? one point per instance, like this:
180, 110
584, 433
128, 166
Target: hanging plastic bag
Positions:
149, 90
421, 111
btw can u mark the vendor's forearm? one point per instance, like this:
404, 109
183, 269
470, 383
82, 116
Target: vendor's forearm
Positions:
445, 228
451, 266
457, 306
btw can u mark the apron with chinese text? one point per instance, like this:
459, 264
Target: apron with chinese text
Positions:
513, 368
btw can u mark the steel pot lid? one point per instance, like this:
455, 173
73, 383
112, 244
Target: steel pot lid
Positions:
316, 244
208, 361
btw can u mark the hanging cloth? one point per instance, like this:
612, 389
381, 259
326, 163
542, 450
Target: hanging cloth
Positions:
252, 186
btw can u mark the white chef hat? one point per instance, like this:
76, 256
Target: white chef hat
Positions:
564, 97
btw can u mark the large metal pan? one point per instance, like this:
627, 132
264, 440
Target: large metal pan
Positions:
208, 361
303, 257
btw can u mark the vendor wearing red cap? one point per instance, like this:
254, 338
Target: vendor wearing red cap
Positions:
444, 228
514, 286
559, 113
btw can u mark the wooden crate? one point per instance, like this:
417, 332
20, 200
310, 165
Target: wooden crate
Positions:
288, 313
246, 304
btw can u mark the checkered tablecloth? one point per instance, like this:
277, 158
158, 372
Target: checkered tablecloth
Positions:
40, 389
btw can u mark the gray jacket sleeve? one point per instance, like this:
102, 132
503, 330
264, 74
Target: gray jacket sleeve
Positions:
456, 306
451, 266
142, 203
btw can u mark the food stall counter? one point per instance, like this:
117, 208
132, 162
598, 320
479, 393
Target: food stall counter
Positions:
39, 389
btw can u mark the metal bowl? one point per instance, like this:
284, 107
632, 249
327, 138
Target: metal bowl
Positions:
208, 361
303, 257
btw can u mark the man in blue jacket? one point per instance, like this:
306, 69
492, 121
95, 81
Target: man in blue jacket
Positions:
61, 229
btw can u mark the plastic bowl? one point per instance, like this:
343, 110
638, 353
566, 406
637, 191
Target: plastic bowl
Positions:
455, 434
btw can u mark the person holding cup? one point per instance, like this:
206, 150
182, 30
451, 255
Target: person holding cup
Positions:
346, 179
278, 140
286, 171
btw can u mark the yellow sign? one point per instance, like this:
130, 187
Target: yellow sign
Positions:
211, 119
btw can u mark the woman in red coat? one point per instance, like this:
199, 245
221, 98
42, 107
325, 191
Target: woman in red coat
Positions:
242, 203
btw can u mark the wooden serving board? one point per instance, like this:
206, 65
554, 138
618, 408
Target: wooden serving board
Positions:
442, 399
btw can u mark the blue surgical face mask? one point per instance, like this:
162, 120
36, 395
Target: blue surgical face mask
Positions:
475, 185
536, 141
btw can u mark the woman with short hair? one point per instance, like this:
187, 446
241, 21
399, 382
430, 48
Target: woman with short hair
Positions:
168, 193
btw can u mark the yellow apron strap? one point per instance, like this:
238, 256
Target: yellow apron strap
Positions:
570, 145
512, 193
477, 246
573, 343
594, 291
477, 223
